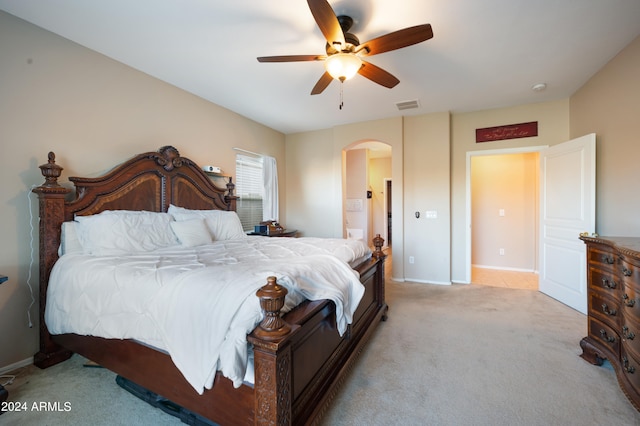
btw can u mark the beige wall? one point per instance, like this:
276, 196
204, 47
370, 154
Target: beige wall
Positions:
609, 106
93, 113
426, 187
314, 206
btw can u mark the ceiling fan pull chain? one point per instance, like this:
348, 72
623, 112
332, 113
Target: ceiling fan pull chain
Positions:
341, 95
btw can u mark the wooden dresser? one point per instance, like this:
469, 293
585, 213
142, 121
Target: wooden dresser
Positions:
613, 274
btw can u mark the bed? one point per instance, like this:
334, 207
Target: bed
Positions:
300, 357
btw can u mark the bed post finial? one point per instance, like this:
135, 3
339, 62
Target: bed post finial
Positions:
378, 241
230, 186
271, 297
51, 171
229, 198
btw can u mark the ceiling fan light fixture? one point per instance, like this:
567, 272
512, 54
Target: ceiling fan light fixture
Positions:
343, 66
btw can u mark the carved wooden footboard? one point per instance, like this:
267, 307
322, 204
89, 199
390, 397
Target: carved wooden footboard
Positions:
299, 358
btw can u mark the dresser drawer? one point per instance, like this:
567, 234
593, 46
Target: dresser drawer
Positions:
630, 274
605, 335
605, 308
631, 303
630, 338
604, 282
631, 369
602, 258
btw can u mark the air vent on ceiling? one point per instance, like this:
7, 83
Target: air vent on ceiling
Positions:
407, 105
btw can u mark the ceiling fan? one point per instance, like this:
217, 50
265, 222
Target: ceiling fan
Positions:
344, 52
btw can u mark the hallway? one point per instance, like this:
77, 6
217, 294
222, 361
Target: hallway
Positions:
505, 279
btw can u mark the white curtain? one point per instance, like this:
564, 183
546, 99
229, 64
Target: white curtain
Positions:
270, 206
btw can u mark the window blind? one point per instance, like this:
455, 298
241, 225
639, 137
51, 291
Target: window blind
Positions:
250, 188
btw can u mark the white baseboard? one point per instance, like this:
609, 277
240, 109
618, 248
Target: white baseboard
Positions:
16, 365
504, 268
413, 280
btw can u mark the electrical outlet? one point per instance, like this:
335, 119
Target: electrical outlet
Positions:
411, 259
501, 252
501, 212
431, 214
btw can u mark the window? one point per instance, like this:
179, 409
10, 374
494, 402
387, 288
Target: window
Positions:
249, 187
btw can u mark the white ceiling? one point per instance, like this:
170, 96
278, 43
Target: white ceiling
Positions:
484, 53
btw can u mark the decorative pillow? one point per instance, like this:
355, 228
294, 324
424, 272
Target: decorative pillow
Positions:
114, 232
192, 232
223, 225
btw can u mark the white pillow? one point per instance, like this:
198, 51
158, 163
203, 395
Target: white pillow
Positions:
223, 225
69, 242
192, 233
114, 232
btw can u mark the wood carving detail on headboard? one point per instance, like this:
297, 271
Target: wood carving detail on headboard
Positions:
151, 181
170, 158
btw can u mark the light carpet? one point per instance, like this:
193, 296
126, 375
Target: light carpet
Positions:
447, 355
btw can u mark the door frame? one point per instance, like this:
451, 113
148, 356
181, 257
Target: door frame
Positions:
385, 212
470, 154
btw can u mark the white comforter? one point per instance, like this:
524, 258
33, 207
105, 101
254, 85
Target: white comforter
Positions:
199, 304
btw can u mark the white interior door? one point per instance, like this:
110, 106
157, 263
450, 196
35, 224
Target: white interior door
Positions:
567, 208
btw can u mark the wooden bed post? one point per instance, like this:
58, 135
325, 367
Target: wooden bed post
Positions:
378, 242
230, 198
51, 199
272, 359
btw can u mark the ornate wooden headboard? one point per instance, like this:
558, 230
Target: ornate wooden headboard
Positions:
149, 181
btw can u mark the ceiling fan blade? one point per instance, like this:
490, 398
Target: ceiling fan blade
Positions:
292, 58
327, 21
377, 75
396, 40
322, 83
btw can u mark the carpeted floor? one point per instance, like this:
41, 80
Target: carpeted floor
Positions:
448, 355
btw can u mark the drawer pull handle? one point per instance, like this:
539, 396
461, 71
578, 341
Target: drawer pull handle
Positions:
629, 335
608, 284
626, 272
629, 302
607, 259
604, 335
606, 310
628, 368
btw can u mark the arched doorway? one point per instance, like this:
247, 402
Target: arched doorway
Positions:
367, 205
